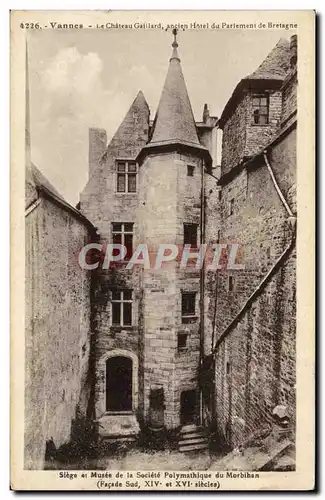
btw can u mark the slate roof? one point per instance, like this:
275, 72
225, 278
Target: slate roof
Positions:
174, 119
36, 184
276, 65
271, 72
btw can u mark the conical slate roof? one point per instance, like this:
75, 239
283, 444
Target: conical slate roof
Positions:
174, 120
276, 65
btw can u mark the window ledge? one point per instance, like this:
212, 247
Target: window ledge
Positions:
125, 194
117, 412
260, 124
117, 328
189, 319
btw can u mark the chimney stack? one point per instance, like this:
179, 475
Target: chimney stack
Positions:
293, 51
206, 114
97, 146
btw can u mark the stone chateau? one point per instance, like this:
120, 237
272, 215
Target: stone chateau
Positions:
193, 356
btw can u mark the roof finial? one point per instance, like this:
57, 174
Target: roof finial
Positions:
175, 45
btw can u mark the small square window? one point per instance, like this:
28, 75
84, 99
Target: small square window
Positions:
181, 341
188, 304
190, 170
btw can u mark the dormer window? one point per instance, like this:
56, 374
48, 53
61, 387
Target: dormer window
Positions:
260, 109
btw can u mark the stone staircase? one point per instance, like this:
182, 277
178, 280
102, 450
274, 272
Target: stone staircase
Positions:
193, 438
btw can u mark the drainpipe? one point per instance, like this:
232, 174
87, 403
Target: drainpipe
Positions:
32, 206
282, 198
202, 275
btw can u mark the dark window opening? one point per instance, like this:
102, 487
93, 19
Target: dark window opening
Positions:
231, 283
231, 206
190, 235
126, 177
156, 407
119, 384
189, 407
188, 304
268, 252
190, 170
260, 110
122, 234
218, 236
122, 307
181, 341
219, 195
228, 368
156, 398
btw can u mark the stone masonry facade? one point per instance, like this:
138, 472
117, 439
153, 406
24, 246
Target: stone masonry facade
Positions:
146, 348
243, 319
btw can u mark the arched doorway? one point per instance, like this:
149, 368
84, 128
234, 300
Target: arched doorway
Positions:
119, 388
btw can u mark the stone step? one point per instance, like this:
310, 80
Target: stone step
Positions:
194, 447
193, 434
118, 439
191, 428
197, 440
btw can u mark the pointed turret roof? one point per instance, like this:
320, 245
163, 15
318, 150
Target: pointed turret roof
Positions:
174, 119
174, 127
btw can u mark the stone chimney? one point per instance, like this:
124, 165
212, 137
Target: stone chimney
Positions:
206, 113
97, 146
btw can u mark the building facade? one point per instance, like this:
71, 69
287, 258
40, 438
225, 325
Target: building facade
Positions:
159, 332
57, 319
179, 346
255, 308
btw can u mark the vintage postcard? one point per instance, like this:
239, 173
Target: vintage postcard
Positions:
162, 250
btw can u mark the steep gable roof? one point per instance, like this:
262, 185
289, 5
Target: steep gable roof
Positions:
270, 73
276, 65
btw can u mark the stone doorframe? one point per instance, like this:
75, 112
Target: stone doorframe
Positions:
100, 404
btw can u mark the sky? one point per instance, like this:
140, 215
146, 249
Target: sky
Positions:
89, 78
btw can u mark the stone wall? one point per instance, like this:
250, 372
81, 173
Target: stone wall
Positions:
241, 137
101, 203
234, 136
255, 363
57, 340
169, 198
258, 136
